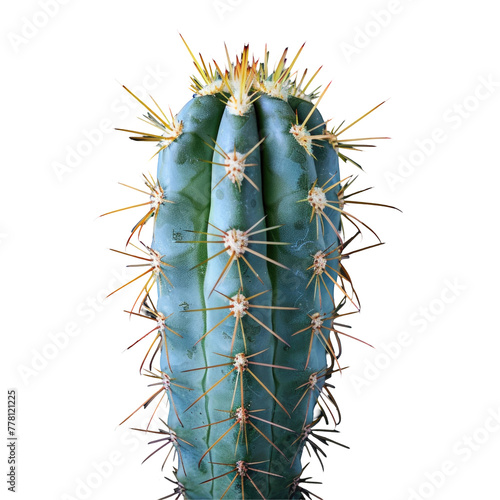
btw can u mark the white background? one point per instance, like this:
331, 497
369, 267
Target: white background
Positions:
429, 405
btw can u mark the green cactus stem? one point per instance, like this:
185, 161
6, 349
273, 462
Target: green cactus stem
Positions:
252, 223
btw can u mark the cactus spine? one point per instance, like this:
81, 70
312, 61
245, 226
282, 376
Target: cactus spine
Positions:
249, 211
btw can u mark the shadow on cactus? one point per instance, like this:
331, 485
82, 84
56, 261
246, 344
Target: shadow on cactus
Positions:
248, 212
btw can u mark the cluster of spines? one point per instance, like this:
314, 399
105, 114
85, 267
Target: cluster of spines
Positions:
239, 86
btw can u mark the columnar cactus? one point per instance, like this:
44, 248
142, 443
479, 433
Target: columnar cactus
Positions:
248, 210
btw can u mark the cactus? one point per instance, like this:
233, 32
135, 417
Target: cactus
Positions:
250, 222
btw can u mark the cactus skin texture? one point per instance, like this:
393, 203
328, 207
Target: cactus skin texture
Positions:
246, 255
